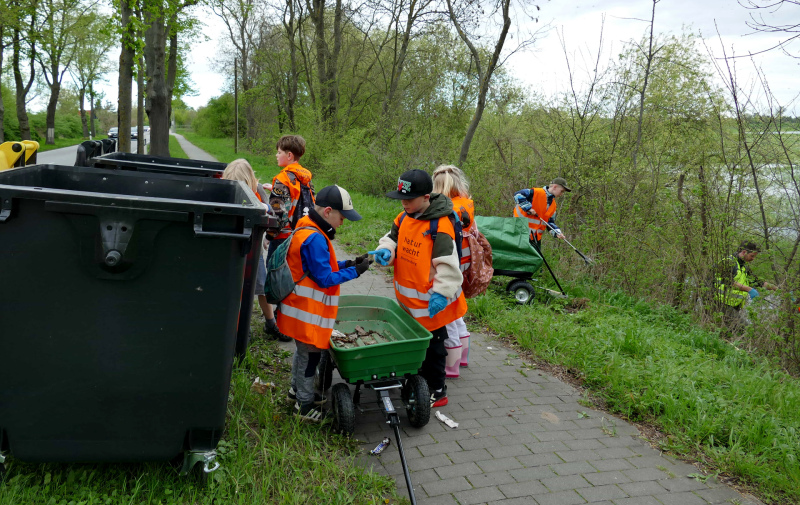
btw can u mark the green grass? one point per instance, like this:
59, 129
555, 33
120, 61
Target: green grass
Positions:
175, 149
267, 457
653, 364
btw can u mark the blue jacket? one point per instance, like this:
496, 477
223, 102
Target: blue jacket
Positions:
316, 261
528, 194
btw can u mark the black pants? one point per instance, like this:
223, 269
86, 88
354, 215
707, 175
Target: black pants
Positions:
432, 369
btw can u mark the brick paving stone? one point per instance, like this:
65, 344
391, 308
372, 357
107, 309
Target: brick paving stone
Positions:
490, 479
606, 465
600, 478
598, 493
680, 484
585, 444
649, 461
530, 488
588, 433
549, 436
650, 487
532, 473
494, 388
540, 459
444, 499
508, 451
446, 486
511, 403
420, 477
494, 465
516, 439
439, 448
497, 421
639, 500
545, 447
525, 500
623, 441
566, 482
561, 498
643, 474
478, 443
570, 456
686, 498
480, 495
615, 452
469, 456
718, 495
461, 469
573, 468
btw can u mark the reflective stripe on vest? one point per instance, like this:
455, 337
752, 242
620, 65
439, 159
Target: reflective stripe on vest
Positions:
412, 272
308, 314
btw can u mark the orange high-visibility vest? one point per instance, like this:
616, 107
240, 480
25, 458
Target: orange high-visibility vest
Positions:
309, 312
413, 272
294, 190
539, 204
461, 205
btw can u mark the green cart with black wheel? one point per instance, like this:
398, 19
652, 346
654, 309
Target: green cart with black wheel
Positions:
392, 364
512, 253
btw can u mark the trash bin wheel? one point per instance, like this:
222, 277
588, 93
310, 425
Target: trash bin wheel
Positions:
523, 291
344, 413
416, 397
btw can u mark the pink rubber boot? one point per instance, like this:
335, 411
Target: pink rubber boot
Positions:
464, 351
451, 363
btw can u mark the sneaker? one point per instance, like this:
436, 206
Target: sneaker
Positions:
318, 398
439, 398
273, 332
310, 412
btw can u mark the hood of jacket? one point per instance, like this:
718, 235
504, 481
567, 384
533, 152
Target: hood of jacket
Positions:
440, 206
300, 173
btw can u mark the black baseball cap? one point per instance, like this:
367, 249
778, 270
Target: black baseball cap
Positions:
339, 199
412, 184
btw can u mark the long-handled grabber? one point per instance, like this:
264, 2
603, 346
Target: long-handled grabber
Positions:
586, 259
551, 271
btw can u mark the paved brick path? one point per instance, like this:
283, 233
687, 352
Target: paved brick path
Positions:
523, 438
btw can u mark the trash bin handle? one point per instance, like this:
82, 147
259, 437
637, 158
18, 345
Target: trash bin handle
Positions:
200, 232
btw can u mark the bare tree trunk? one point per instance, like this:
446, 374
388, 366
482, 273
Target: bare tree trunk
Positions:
125, 81
485, 76
83, 113
291, 79
92, 132
327, 61
157, 96
650, 56
140, 107
50, 120
2, 107
172, 72
21, 88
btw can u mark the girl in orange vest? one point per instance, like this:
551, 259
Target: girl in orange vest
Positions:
308, 313
427, 274
450, 180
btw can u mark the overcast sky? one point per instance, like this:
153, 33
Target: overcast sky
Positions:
543, 68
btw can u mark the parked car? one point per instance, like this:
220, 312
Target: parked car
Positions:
146, 128
135, 132
113, 132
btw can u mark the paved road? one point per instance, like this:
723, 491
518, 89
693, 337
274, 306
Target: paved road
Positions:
66, 155
522, 438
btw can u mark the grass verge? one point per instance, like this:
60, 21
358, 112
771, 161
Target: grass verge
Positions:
267, 456
175, 149
654, 365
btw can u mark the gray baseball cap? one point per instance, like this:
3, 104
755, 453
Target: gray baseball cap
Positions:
561, 182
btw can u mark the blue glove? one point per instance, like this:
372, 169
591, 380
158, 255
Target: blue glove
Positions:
523, 202
436, 304
382, 256
753, 293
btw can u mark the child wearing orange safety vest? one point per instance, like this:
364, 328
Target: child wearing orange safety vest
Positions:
427, 274
450, 180
538, 205
287, 190
308, 313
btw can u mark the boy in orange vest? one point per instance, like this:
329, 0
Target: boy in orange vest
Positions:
308, 313
287, 193
538, 205
427, 277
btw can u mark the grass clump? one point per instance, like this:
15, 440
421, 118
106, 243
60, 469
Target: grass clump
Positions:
652, 363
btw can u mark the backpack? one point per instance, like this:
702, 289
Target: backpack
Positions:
279, 281
304, 203
479, 274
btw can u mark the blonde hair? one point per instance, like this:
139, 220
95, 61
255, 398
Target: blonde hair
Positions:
240, 170
450, 180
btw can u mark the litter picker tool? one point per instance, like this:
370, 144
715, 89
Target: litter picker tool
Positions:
563, 294
586, 259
